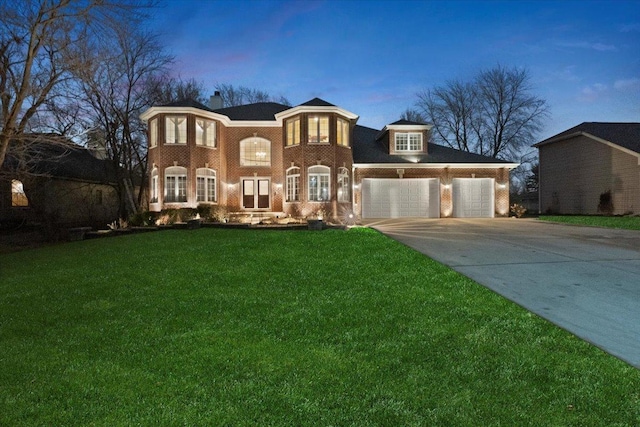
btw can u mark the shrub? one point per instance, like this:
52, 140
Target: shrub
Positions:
214, 213
606, 203
141, 219
518, 210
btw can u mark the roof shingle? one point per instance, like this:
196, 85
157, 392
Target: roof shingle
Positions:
625, 135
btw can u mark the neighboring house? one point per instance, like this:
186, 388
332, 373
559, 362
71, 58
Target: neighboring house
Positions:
64, 185
278, 160
582, 164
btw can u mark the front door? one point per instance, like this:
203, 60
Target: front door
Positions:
255, 193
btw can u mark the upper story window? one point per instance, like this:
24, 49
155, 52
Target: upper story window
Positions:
319, 183
318, 129
255, 152
205, 132
408, 141
342, 132
293, 131
18, 196
344, 195
175, 186
153, 132
205, 185
175, 130
154, 186
293, 184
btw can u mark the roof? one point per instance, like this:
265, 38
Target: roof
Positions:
368, 149
188, 103
405, 122
65, 160
317, 102
626, 135
260, 111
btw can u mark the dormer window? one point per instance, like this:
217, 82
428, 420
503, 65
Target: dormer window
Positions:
318, 130
408, 141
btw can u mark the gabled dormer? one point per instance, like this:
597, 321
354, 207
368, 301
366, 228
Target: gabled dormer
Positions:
406, 137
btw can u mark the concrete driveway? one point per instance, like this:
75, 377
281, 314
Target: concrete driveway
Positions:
584, 279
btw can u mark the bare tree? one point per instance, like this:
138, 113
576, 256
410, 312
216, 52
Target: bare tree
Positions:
165, 90
495, 114
413, 115
37, 39
449, 108
509, 116
115, 86
241, 95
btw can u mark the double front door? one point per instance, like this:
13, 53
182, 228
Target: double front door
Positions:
255, 193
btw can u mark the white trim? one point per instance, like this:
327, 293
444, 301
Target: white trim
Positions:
407, 127
436, 165
209, 115
315, 109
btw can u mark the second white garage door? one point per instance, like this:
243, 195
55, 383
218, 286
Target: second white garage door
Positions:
473, 197
398, 198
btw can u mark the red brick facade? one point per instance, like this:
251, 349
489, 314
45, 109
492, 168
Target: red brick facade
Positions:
235, 182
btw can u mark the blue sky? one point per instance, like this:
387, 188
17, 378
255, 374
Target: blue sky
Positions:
372, 57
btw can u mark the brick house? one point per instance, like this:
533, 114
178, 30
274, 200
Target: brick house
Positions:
278, 160
579, 165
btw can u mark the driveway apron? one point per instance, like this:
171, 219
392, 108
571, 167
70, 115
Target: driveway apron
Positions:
584, 279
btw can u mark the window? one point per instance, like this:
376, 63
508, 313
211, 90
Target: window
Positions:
176, 130
343, 185
18, 196
319, 184
205, 132
293, 185
293, 131
153, 132
342, 135
175, 188
408, 142
205, 185
255, 152
318, 128
154, 186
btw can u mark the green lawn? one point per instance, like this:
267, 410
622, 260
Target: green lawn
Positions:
284, 328
624, 222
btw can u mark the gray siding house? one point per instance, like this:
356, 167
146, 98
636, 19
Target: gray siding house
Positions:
581, 164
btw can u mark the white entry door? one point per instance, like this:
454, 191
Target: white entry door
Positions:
473, 197
399, 198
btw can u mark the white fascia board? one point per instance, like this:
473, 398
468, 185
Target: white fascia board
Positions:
407, 127
209, 115
320, 109
436, 165
595, 138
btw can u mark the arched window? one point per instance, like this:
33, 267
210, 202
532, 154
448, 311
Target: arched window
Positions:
154, 186
18, 196
319, 183
175, 184
205, 185
344, 195
293, 184
255, 152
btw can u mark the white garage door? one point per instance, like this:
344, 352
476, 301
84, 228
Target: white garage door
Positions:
473, 197
398, 198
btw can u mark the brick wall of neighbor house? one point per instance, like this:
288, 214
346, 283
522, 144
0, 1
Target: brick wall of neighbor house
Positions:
445, 175
574, 173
